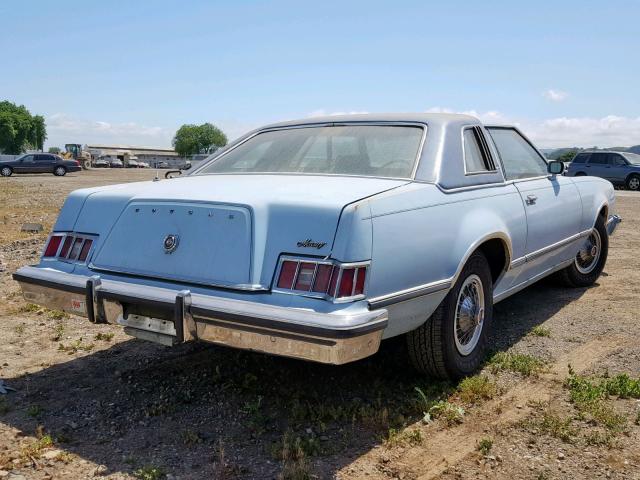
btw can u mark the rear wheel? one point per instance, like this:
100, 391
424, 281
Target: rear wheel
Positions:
452, 343
6, 171
590, 259
633, 182
59, 171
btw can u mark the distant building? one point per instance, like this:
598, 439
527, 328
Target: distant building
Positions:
155, 157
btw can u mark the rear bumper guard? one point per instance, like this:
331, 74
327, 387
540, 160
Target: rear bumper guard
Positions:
612, 223
170, 317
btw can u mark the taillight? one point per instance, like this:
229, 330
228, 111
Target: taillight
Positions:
323, 278
52, 246
75, 247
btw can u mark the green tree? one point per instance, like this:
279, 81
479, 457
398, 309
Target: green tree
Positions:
192, 139
19, 130
567, 156
55, 150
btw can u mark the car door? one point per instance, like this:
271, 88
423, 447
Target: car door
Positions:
44, 163
598, 164
25, 164
552, 202
618, 168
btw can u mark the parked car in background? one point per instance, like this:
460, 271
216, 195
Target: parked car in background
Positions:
39, 163
620, 168
100, 163
132, 164
115, 163
162, 165
143, 165
318, 238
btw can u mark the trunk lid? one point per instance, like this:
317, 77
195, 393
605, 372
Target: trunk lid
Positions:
230, 229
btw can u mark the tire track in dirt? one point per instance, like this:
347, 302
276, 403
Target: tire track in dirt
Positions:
449, 446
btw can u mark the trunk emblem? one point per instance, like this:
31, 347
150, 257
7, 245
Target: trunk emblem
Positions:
170, 243
309, 243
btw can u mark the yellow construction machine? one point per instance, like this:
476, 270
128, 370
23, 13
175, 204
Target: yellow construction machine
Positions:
75, 151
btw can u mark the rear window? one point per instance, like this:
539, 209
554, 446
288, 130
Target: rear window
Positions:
362, 150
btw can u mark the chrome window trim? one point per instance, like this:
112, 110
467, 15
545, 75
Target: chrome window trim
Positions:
416, 161
517, 130
320, 261
484, 150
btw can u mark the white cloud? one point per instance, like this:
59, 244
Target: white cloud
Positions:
62, 128
555, 95
608, 131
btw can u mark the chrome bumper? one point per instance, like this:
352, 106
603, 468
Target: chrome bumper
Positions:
612, 223
170, 316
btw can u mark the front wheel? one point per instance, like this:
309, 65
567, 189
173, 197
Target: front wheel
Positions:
59, 171
452, 343
590, 259
6, 171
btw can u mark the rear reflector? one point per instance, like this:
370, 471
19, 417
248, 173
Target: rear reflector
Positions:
52, 246
305, 276
75, 249
322, 278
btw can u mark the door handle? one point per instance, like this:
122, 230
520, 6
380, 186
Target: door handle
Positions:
531, 200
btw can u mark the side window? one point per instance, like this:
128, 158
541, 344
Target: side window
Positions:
44, 158
580, 158
617, 160
476, 156
28, 158
598, 159
519, 158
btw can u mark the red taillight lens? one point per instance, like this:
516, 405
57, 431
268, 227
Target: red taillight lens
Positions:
346, 283
287, 274
323, 275
52, 246
323, 278
86, 246
77, 163
66, 246
361, 277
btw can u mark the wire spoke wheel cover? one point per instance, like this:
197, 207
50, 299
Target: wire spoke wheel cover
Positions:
589, 254
469, 315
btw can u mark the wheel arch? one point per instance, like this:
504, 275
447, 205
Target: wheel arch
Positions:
497, 248
632, 174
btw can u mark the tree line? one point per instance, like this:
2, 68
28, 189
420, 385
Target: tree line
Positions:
19, 130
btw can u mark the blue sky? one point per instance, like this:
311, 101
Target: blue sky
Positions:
130, 72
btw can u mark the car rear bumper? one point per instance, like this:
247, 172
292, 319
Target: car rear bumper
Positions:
171, 316
612, 223
73, 168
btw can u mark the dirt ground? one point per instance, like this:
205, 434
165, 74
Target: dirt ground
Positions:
559, 399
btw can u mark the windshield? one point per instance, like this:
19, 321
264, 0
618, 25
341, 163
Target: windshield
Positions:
364, 150
632, 158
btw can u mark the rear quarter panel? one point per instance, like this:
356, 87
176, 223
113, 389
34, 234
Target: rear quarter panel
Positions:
423, 235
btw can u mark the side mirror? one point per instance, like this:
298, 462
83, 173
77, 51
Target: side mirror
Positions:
555, 167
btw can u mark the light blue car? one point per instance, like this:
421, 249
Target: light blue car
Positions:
316, 239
